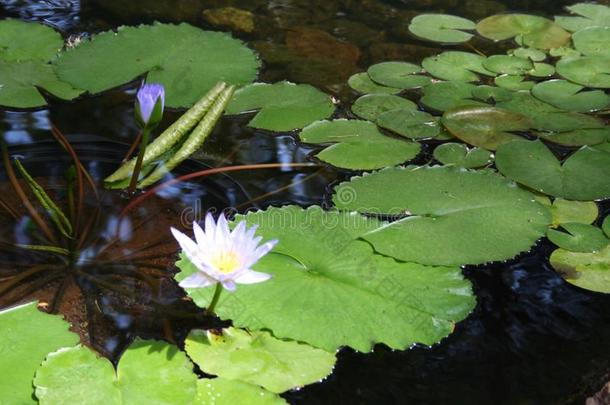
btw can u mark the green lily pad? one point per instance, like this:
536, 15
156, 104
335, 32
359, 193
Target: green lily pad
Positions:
27, 335
371, 106
185, 59
528, 30
357, 145
27, 49
456, 66
582, 176
513, 82
258, 358
606, 226
148, 372
564, 51
458, 154
491, 93
590, 271
590, 71
542, 70
362, 83
569, 96
441, 28
410, 123
443, 96
485, 127
592, 41
329, 289
604, 147
535, 55
506, 64
589, 15
578, 238
566, 211
222, 391
444, 204
577, 137
283, 106
401, 75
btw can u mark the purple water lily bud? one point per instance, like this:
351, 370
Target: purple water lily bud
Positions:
149, 105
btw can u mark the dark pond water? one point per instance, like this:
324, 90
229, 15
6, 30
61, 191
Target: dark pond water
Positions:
532, 339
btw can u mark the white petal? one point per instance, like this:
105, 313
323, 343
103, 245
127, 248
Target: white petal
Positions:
263, 249
210, 225
191, 250
197, 280
200, 236
252, 277
222, 231
229, 285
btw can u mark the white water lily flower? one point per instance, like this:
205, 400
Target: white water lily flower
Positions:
222, 256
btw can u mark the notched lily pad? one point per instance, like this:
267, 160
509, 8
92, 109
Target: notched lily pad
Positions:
589, 15
590, 271
506, 64
590, 71
456, 66
443, 96
570, 96
362, 83
442, 28
566, 211
401, 75
528, 30
513, 82
578, 237
593, 41
371, 106
458, 154
409, 123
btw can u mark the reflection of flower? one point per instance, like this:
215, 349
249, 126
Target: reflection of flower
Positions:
149, 105
222, 256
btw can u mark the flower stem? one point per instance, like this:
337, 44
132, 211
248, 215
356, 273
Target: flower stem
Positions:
138, 166
212, 306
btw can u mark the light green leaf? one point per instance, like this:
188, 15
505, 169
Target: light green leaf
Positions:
443, 205
577, 137
582, 176
458, 154
221, 391
283, 106
401, 75
185, 59
529, 30
566, 211
512, 82
593, 41
25, 41
606, 226
491, 93
258, 358
456, 66
443, 96
441, 28
534, 55
371, 106
590, 271
578, 238
590, 71
542, 70
569, 96
26, 337
590, 15
506, 64
409, 123
362, 83
357, 145
330, 290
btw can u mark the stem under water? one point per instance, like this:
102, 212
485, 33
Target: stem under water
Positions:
210, 309
136, 170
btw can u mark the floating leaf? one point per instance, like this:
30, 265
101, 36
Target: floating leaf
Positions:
371, 106
27, 335
590, 71
362, 83
458, 154
577, 137
148, 372
590, 271
542, 70
222, 391
582, 176
400, 75
566, 211
606, 226
529, 30
21, 41
412, 124
534, 55
491, 93
569, 96
357, 145
441, 28
578, 238
512, 82
330, 290
485, 127
456, 66
258, 358
185, 59
445, 204
506, 64
591, 15
593, 41
564, 51
283, 106
443, 96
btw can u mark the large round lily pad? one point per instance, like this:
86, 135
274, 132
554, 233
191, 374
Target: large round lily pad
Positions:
485, 127
593, 41
21, 41
282, 106
258, 358
441, 28
26, 337
456, 66
590, 71
371, 106
582, 176
185, 59
362, 83
400, 75
443, 205
443, 96
590, 271
507, 64
588, 15
528, 30
409, 123
357, 145
330, 290
570, 96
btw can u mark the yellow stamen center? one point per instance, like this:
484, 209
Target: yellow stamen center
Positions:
226, 262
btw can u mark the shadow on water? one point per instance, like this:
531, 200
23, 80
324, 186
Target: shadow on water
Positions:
532, 339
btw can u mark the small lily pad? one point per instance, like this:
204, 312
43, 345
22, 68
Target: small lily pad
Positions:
566, 211
401, 75
506, 64
582, 176
535, 55
589, 15
577, 137
528, 30
542, 70
442, 28
371, 106
258, 358
443, 96
570, 96
564, 51
456, 66
592, 41
590, 271
491, 93
485, 127
590, 71
357, 145
578, 238
458, 154
362, 83
513, 82
222, 391
410, 123
282, 106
